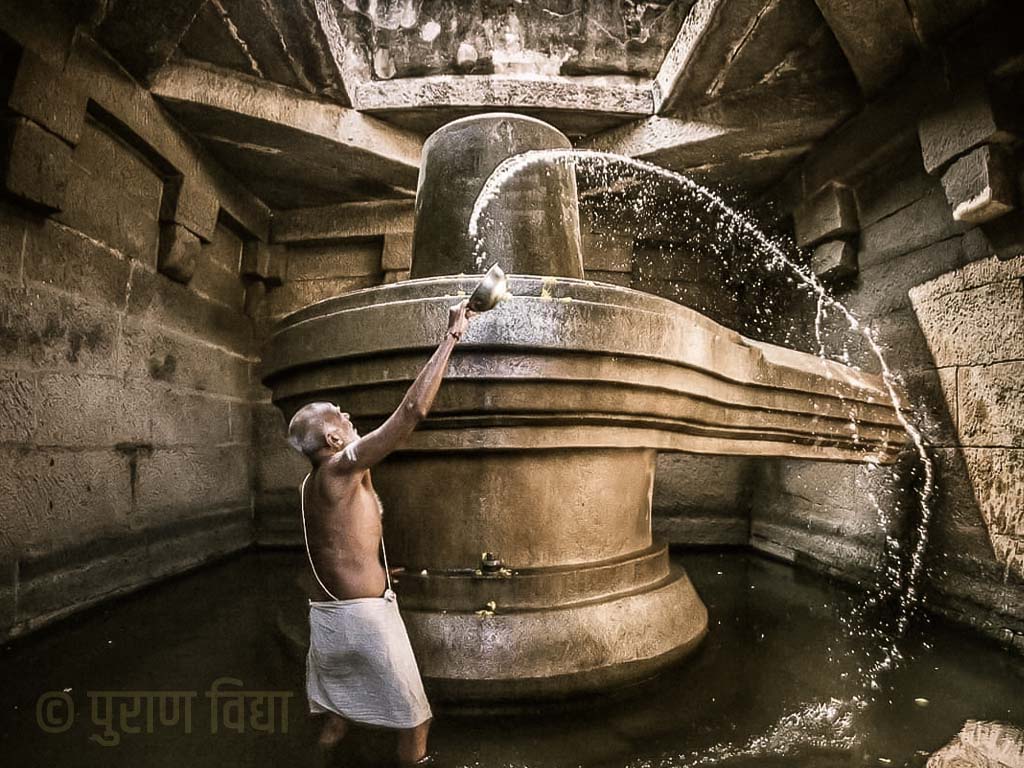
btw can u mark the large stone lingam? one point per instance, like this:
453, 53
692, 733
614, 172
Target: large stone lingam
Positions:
541, 445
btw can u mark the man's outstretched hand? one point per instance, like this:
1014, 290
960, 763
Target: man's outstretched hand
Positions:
458, 318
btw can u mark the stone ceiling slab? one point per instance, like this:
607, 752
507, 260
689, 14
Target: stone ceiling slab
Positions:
294, 150
577, 106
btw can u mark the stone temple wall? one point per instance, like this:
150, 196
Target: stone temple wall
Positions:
126, 353
936, 274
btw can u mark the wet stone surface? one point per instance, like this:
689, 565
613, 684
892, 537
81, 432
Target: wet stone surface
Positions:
776, 646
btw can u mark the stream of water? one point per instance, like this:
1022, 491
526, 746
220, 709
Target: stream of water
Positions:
818, 724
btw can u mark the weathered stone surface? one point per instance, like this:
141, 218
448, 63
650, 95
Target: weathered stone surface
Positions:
187, 418
830, 213
345, 221
139, 116
397, 253
49, 328
997, 478
860, 29
109, 175
884, 286
701, 499
63, 258
982, 744
54, 498
834, 261
980, 185
179, 482
41, 93
916, 226
932, 395
160, 302
73, 410
143, 37
973, 316
17, 406
35, 163
991, 399
970, 120
895, 181
149, 352
264, 261
324, 261
188, 202
710, 32
179, 251
566, 102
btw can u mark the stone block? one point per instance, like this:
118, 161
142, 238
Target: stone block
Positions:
187, 418
157, 301
991, 403
917, 226
44, 327
187, 201
75, 410
828, 214
264, 261
397, 253
150, 353
52, 499
688, 485
218, 284
224, 250
65, 258
44, 95
997, 479
17, 406
980, 185
176, 483
179, 252
35, 163
895, 181
974, 325
971, 119
885, 286
327, 261
113, 194
834, 261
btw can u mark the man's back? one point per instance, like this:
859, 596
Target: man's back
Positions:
343, 527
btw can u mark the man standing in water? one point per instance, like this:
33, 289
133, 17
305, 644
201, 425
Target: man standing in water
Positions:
360, 667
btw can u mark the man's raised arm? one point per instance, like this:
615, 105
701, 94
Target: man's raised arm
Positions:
369, 450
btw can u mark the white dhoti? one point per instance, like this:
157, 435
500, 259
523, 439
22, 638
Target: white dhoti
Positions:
360, 663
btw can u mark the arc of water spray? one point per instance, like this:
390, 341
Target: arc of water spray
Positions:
573, 157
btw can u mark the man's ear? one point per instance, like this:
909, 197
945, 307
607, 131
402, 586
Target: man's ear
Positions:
334, 439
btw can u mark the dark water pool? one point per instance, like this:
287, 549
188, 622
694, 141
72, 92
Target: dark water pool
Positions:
776, 647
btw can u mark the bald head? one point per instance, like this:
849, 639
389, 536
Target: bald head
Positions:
317, 426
